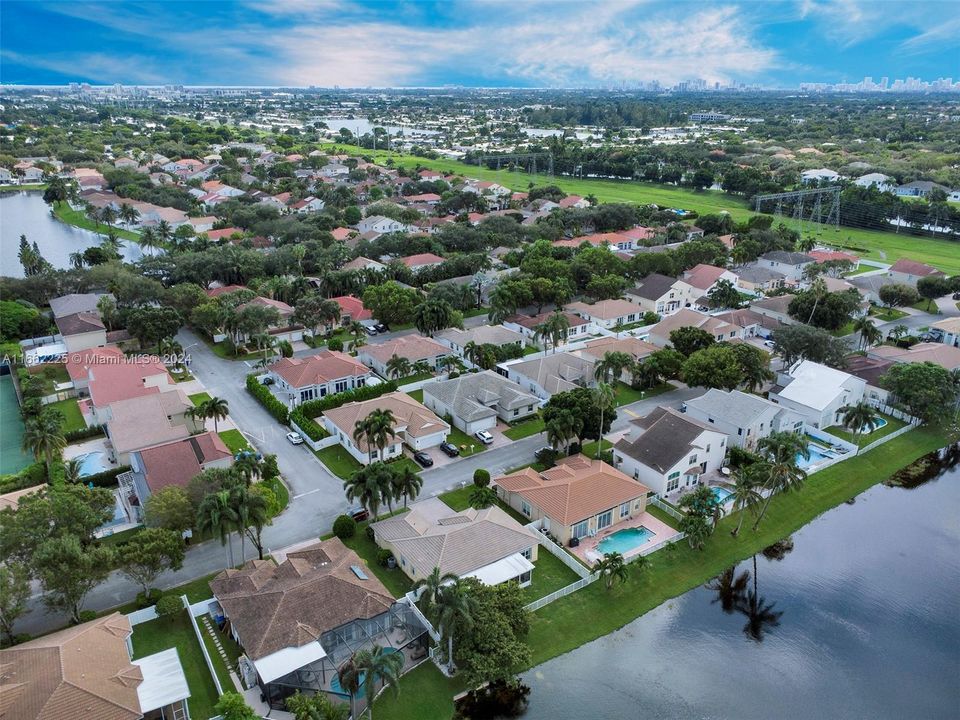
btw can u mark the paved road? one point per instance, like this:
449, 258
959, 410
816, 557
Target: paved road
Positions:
316, 496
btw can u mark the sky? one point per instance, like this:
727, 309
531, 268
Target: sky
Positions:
481, 43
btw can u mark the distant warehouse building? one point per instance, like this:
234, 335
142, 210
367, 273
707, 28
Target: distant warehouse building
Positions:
708, 117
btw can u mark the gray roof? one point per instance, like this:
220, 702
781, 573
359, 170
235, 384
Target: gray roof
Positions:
481, 335
666, 439
75, 303
757, 274
432, 535
788, 258
739, 408
871, 283
776, 303
653, 286
473, 396
557, 372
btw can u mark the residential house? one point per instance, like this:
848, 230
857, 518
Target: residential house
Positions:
661, 294
820, 175
871, 370
6, 177
753, 323
308, 205
414, 348
946, 356
429, 199
702, 278
908, 271
817, 392
285, 329
78, 320
526, 325
919, 188
326, 372
475, 401
380, 224
607, 314
485, 544
790, 264
574, 201
28, 172
119, 379
78, 364
758, 280
363, 263
746, 419
421, 261
499, 335
668, 451
947, 331
86, 671
552, 373
775, 308
414, 426
575, 499
634, 347
721, 330
302, 614
148, 420
612, 240
351, 310
883, 183
870, 285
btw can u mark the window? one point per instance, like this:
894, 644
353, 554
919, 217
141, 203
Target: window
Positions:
624, 509
739, 431
605, 519
528, 553
693, 459
340, 386
516, 412
306, 395
673, 482
580, 529
525, 507
708, 447
525, 577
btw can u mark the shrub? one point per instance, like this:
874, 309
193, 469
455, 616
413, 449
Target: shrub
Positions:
315, 408
335, 344
285, 348
481, 477
308, 425
30, 476
273, 406
87, 616
344, 527
370, 533
85, 433
740, 457
105, 479
384, 556
169, 605
148, 598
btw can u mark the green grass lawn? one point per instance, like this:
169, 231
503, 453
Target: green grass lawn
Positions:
405, 462
549, 576
199, 398
594, 611
530, 350
25, 186
862, 270
887, 314
394, 580
280, 490
78, 218
928, 307
234, 440
525, 428
626, 395
885, 246
180, 376
416, 395
459, 500
230, 647
338, 461
118, 538
72, 418
590, 450
416, 377
162, 633
474, 312
468, 444
893, 424
843, 330
662, 516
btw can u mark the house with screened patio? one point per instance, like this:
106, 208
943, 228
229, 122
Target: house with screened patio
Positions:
301, 615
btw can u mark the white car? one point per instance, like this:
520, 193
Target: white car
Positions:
295, 438
484, 437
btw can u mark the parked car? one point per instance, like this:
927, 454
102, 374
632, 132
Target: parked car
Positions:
484, 437
370, 330
358, 513
449, 449
295, 438
545, 453
423, 458
267, 380
381, 328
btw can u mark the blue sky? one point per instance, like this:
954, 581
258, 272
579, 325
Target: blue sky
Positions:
517, 43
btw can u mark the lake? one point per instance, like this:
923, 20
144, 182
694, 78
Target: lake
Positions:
868, 627
25, 213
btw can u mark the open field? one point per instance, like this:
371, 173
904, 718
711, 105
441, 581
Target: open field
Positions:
878, 245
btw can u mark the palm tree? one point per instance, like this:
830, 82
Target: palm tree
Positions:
374, 665
351, 679
247, 467
869, 333
745, 496
780, 470
858, 418
43, 436
108, 215
265, 342
455, 609
421, 367
398, 367
407, 484
128, 214
149, 240
359, 334
431, 586
612, 366
164, 233
563, 428
472, 352
451, 363
216, 516
554, 329
71, 471
612, 567
603, 399
77, 260
371, 486
251, 511
216, 408
376, 428
482, 497
433, 315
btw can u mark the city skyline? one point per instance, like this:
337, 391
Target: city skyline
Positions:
356, 43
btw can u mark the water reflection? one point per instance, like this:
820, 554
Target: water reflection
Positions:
736, 595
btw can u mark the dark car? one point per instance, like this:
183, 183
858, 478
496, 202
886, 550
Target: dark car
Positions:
359, 514
546, 454
381, 328
422, 458
449, 449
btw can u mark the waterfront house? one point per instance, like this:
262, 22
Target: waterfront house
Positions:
744, 418
817, 392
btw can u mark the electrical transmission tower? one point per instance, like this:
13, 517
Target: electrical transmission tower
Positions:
820, 206
529, 161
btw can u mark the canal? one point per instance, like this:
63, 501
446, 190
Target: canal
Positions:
857, 617
25, 213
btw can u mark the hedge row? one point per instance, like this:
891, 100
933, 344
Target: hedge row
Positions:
315, 408
107, 478
308, 425
83, 434
31, 475
266, 398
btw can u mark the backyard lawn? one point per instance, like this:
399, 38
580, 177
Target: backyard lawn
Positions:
417, 377
78, 218
230, 647
162, 633
886, 314
525, 428
416, 395
866, 438
625, 394
549, 575
338, 461
459, 500
234, 440
199, 398
394, 580
72, 418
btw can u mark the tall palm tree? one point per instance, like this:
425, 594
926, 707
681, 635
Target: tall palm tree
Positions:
431, 586
250, 509
612, 366
554, 329
265, 342
745, 495
351, 679
375, 665
77, 260
472, 352
164, 233
397, 366
563, 428
869, 333
359, 334
376, 428
451, 363
149, 240
780, 470
603, 399
72, 470
857, 418
371, 486
217, 409
612, 567
407, 484
108, 215
455, 609
43, 436
216, 516
129, 214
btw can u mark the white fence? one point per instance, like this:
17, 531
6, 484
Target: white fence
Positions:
142, 616
896, 433
315, 444
657, 546
203, 645
418, 385
562, 592
671, 511
557, 551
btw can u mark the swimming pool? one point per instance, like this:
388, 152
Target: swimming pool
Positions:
335, 683
119, 514
92, 463
721, 494
876, 425
623, 541
817, 454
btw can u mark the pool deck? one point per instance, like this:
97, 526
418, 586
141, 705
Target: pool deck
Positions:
88, 446
587, 549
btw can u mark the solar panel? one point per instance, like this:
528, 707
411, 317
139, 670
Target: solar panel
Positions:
359, 572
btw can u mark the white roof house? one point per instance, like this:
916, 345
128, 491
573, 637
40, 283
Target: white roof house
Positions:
882, 182
820, 174
817, 392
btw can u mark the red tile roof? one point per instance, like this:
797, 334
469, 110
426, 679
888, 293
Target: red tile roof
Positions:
353, 308
825, 255
177, 463
111, 383
421, 259
318, 369
78, 362
912, 267
217, 292
223, 233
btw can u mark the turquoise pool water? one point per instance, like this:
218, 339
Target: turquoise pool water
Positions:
623, 541
93, 463
876, 424
816, 455
721, 494
335, 683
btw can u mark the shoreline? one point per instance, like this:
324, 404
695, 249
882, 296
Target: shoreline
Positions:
594, 612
